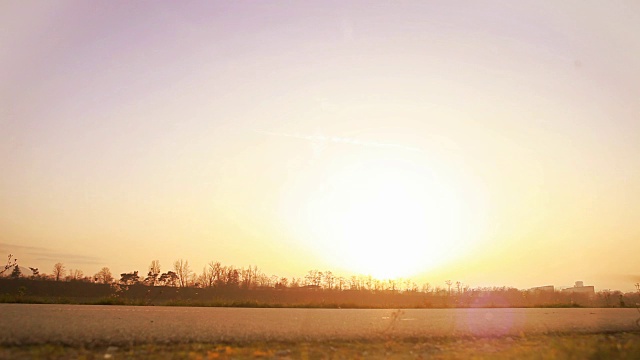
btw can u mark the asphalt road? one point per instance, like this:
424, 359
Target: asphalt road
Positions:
89, 325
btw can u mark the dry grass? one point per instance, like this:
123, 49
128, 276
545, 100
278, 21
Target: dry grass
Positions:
584, 346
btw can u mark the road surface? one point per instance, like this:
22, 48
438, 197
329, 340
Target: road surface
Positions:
88, 325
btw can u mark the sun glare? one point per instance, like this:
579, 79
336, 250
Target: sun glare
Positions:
386, 218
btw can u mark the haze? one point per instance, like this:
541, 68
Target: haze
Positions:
494, 143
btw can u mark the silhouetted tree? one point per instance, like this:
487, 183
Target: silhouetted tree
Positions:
154, 272
392, 284
104, 276
369, 282
11, 262
154, 267
378, 285
16, 273
232, 277
35, 273
211, 275
282, 283
411, 286
354, 283
329, 279
58, 271
129, 278
168, 279
184, 273
75, 274
448, 282
313, 277
151, 279
261, 280
426, 288
248, 276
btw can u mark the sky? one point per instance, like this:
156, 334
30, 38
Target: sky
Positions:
487, 142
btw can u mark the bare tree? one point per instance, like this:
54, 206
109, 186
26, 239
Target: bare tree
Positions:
75, 274
11, 263
376, 285
369, 282
329, 279
232, 276
282, 283
211, 275
392, 284
426, 287
104, 276
353, 283
407, 285
154, 272
448, 282
58, 271
262, 280
205, 279
249, 276
155, 267
184, 273
313, 277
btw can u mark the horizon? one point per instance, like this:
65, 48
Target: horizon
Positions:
489, 143
196, 274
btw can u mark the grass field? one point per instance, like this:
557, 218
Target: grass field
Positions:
560, 346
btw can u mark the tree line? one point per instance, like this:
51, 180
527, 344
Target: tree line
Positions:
215, 275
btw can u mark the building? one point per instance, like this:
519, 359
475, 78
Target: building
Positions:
579, 288
545, 288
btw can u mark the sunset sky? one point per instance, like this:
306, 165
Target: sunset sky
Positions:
488, 142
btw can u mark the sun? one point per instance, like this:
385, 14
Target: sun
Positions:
387, 218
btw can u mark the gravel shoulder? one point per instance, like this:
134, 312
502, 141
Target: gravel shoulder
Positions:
141, 332
93, 325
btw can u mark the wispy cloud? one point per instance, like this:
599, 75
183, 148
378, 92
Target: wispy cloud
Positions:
338, 140
4, 247
80, 259
44, 254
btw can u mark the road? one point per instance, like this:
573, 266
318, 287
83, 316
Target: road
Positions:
77, 325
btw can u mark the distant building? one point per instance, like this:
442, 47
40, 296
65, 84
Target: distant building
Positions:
545, 288
579, 288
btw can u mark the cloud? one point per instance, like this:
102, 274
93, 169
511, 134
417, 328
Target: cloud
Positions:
12, 247
339, 140
44, 254
58, 257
